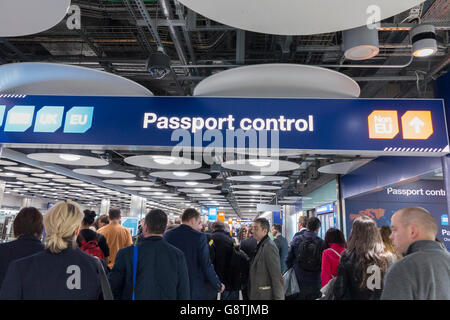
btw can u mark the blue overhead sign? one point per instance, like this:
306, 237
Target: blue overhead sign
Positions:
309, 124
325, 208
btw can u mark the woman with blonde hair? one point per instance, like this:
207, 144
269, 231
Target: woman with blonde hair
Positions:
62, 271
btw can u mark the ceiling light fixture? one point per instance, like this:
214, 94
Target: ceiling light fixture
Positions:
192, 183
129, 181
105, 172
199, 189
164, 160
423, 40
361, 43
259, 162
181, 174
69, 157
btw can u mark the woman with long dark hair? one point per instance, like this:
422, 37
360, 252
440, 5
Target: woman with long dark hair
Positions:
363, 264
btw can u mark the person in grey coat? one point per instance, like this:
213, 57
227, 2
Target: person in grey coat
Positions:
282, 246
424, 271
265, 280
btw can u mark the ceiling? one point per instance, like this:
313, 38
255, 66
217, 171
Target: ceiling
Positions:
116, 37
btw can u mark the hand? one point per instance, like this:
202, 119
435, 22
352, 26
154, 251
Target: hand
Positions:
222, 289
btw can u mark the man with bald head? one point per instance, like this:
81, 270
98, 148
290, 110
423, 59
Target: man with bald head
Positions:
424, 271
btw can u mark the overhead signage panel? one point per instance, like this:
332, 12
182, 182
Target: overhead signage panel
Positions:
372, 125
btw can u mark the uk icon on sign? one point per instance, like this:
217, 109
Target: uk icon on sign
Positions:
383, 124
417, 125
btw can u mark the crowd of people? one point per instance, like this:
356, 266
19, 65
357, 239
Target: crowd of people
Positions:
86, 258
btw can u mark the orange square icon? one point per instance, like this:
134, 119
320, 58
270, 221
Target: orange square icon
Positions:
417, 125
383, 124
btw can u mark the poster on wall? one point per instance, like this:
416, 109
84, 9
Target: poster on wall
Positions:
381, 205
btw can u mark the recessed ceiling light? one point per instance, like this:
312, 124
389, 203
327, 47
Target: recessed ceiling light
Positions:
254, 192
129, 181
257, 177
259, 162
105, 172
192, 183
9, 173
69, 157
181, 173
255, 185
425, 52
164, 160
199, 189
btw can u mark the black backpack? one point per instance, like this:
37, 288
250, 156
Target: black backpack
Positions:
239, 268
309, 254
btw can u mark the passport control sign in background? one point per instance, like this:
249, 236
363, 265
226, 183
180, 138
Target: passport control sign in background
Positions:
355, 125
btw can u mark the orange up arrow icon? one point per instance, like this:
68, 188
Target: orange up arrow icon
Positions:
417, 125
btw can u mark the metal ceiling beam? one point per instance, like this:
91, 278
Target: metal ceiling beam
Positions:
14, 49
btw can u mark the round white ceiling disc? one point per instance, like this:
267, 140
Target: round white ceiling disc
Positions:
25, 17
204, 196
199, 190
68, 159
257, 178
342, 167
147, 189
191, 184
260, 165
67, 180
255, 193
58, 79
12, 175
31, 179
104, 173
180, 175
7, 163
279, 80
163, 162
298, 17
48, 175
128, 182
255, 187
24, 169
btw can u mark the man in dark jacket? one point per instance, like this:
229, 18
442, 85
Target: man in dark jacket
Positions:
161, 272
249, 245
424, 271
223, 246
308, 280
281, 244
195, 248
28, 226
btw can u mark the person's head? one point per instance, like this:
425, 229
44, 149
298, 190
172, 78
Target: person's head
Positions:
155, 222
385, 232
114, 215
218, 226
412, 224
334, 235
101, 221
313, 224
276, 230
89, 218
302, 222
191, 217
261, 228
29, 221
366, 244
62, 224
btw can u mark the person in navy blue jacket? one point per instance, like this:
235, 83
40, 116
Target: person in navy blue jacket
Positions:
28, 226
161, 270
62, 271
195, 248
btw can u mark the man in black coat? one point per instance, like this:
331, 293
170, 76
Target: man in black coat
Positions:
28, 226
161, 272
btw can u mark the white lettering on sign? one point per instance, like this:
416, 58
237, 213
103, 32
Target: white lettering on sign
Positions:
383, 125
196, 124
78, 119
415, 192
74, 280
20, 118
48, 119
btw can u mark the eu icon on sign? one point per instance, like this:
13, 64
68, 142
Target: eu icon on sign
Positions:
78, 119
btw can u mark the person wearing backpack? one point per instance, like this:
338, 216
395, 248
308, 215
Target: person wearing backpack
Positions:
90, 241
307, 260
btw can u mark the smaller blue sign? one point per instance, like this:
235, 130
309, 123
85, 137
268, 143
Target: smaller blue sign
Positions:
19, 118
212, 213
325, 208
132, 225
78, 120
444, 219
277, 217
2, 114
48, 119
204, 211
